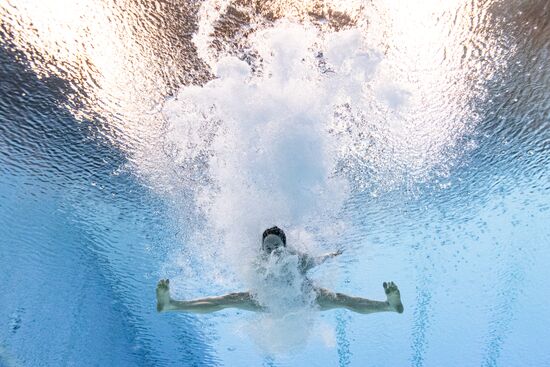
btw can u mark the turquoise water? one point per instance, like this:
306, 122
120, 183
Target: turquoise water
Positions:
157, 140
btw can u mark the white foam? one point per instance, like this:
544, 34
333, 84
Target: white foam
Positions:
271, 141
272, 157
277, 283
271, 161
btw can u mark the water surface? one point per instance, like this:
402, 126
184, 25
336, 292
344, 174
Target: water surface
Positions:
142, 140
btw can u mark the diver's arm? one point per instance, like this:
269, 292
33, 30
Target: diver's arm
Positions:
309, 262
321, 259
241, 300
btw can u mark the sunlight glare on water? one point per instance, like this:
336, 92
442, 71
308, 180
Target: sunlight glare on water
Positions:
151, 139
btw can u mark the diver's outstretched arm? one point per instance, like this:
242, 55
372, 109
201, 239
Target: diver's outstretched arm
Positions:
321, 259
309, 262
328, 300
241, 300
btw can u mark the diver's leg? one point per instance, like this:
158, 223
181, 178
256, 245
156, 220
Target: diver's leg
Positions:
328, 300
241, 300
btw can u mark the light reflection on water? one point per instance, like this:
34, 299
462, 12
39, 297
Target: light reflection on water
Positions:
448, 164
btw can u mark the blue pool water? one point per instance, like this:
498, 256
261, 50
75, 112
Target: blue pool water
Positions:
155, 140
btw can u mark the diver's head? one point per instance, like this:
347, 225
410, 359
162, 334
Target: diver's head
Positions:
272, 239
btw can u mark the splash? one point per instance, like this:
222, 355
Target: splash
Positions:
264, 136
275, 139
289, 299
264, 140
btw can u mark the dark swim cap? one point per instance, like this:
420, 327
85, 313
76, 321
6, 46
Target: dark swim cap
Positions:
277, 232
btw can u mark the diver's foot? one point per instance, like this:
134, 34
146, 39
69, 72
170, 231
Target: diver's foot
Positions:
163, 295
394, 297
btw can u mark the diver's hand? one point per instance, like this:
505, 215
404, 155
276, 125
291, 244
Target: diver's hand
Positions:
337, 253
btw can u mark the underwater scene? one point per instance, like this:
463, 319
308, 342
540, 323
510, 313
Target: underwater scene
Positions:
274, 183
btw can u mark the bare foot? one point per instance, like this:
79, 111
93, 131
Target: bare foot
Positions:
394, 297
163, 295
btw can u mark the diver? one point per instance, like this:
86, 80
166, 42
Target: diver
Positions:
274, 244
